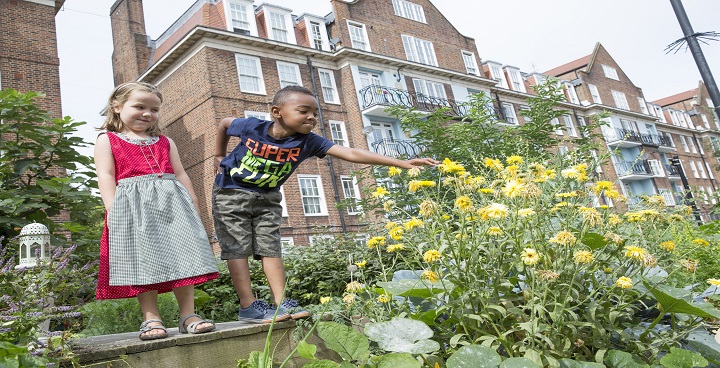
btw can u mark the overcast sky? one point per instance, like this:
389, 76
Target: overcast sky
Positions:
530, 34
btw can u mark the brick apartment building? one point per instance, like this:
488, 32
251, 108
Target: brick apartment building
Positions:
29, 56
227, 58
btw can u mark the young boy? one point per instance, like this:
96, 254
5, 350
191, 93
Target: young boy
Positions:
246, 194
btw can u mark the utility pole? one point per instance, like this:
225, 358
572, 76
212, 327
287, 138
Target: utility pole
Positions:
694, 45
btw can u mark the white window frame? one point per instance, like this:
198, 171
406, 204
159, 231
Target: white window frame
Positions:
710, 194
471, 66
496, 72
244, 73
562, 150
572, 95
352, 182
429, 88
262, 115
509, 112
620, 100
691, 143
701, 169
656, 167
570, 126
286, 242
594, 93
694, 169
419, 50
699, 146
247, 7
684, 143
643, 105
320, 195
314, 238
409, 10
358, 39
610, 72
339, 127
283, 204
709, 170
598, 167
709, 102
516, 81
659, 113
558, 129
705, 121
704, 194
282, 77
328, 86
285, 24
324, 41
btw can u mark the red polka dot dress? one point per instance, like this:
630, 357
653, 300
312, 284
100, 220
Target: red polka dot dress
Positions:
153, 237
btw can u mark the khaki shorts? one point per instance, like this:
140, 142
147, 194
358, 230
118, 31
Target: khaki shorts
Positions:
247, 223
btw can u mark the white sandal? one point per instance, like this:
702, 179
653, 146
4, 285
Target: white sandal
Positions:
193, 327
145, 327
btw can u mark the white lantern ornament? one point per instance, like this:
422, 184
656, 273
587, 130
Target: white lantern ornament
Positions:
34, 245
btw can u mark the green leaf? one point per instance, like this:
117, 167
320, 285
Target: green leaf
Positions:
402, 335
398, 360
475, 356
201, 298
704, 343
321, 364
350, 344
671, 304
594, 241
306, 350
416, 288
569, 363
621, 359
519, 363
681, 358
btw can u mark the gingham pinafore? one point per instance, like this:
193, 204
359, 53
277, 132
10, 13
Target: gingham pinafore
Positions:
153, 238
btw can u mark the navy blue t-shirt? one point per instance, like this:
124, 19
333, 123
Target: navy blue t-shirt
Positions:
262, 163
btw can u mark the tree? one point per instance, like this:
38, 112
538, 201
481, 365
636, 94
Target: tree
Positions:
41, 172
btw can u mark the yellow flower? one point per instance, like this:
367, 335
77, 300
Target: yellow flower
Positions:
392, 171
376, 241
354, 287
547, 275
395, 247
391, 225
349, 298
451, 167
566, 194
614, 219
570, 173
397, 233
384, 298
388, 205
525, 212
633, 216
413, 172
361, 264
464, 203
624, 282
493, 164
430, 276
655, 200
487, 190
413, 223
550, 174
635, 252
615, 238
325, 300
494, 231
428, 208
432, 255
650, 260
675, 218
513, 188
591, 216
613, 194
701, 242
713, 282
493, 211
583, 256
564, 238
414, 185
380, 192
530, 256
668, 245
514, 160
446, 217
601, 186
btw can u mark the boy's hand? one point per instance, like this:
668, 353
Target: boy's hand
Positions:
415, 162
216, 163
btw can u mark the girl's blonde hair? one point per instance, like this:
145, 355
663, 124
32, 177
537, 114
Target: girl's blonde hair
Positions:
118, 97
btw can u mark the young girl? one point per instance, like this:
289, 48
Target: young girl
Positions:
153, 241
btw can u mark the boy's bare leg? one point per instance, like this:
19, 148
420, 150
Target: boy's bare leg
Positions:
240, 275
275, 273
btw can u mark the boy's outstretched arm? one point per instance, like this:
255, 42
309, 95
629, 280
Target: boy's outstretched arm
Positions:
362, 156
221, 142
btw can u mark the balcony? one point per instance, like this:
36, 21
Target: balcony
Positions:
635, 170
396, 148
666, 144
374, 99
623, 138
672, 172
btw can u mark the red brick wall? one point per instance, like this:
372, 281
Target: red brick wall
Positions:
131, 51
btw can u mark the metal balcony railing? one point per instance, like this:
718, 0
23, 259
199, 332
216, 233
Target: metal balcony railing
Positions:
672, 170
665, 141
397, 148
619, 134
626, 168
374, 95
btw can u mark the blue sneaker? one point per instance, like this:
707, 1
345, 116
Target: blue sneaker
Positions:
292, 308
281, 314
255, 312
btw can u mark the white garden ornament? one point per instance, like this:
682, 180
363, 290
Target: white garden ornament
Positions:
34, 245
